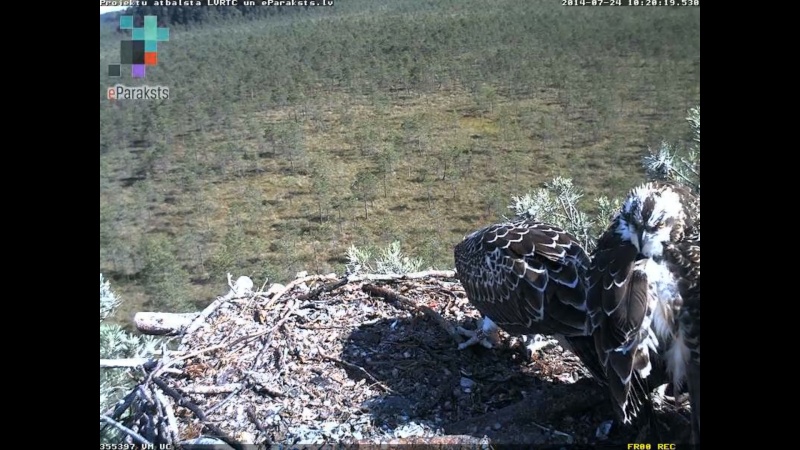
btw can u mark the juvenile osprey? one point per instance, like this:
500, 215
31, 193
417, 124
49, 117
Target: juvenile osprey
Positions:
684, 260
635, 295
528, 278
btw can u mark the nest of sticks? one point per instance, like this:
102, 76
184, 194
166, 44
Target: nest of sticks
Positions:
362, 360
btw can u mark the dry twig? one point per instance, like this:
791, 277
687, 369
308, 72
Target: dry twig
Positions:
172, 423
205, 389
390, 295
292, 284
407, 276
134, 435
204, 315
356, 367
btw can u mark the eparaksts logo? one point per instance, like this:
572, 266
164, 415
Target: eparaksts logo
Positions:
121, 92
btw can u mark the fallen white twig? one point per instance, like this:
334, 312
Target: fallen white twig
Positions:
206, 389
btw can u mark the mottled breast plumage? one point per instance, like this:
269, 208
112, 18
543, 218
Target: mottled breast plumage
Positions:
684, 259
527, 276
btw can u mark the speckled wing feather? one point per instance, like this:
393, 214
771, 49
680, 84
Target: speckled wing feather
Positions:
684, 261
527, 276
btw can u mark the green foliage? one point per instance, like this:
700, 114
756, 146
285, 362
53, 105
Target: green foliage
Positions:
116, 343
559, 201
485, 96
229, 256
321, 184
164, 279
108, 299
678, 163
365, 188
390, 260
387, 160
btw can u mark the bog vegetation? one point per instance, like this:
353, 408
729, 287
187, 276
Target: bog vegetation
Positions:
296, 137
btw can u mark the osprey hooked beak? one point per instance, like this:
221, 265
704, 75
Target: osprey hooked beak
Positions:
649, 245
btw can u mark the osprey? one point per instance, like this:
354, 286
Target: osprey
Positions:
528, 278
636, 295
684, 260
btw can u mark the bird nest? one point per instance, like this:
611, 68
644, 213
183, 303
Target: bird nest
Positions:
361, 360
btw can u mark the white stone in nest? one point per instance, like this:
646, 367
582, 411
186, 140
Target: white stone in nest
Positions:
243, 286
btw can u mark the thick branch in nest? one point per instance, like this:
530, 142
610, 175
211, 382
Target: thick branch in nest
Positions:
407, 276
160, 324
172, 422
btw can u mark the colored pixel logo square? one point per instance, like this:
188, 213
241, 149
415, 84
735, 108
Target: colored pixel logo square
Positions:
142, 49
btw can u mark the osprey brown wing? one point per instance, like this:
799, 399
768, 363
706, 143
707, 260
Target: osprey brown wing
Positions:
527, 276
618, 305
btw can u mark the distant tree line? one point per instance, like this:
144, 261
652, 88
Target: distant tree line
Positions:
197, 15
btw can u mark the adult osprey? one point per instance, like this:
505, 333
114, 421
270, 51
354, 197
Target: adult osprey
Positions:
528, 278
635, 295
